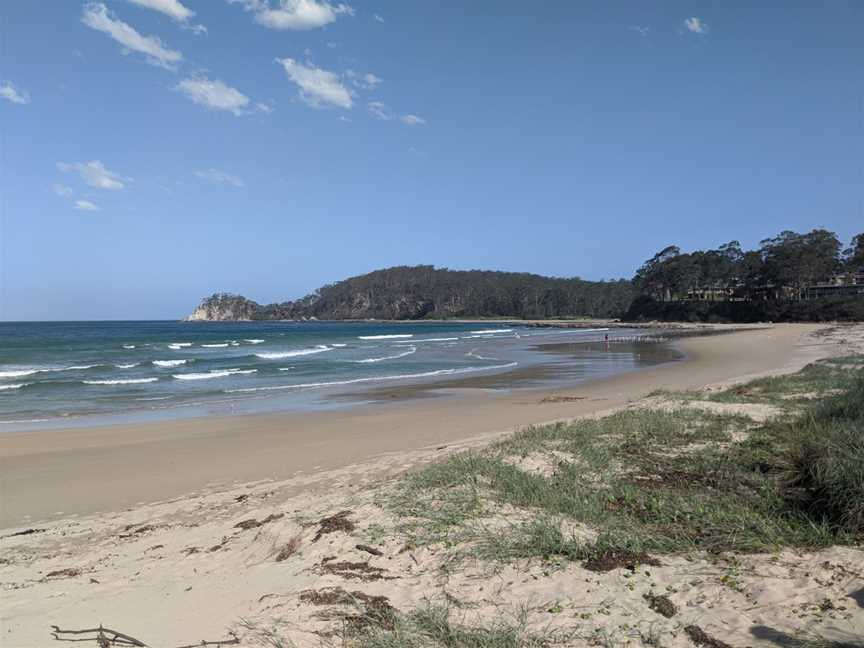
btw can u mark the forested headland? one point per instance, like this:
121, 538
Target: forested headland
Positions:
793, 276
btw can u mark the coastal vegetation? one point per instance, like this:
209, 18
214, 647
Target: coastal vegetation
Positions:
778, 462
791, 277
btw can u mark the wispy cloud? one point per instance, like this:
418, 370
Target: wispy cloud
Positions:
175, 10
696, 25
378, 17
96, 16
318, 87
220, 177
295, 15
379, 111
86, 205
95, 174
214, 95
640, 29
11, 93
62, 190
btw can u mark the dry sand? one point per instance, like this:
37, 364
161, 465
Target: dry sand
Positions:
179, 570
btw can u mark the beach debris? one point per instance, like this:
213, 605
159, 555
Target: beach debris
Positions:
353, 570
376, 610
334, 523
288, 549
108, 638
143, 529
562, 399
370, 550
252, 523
23, 533
701, 638
190, 550
610, 559
661, 604
104, 637
68, 572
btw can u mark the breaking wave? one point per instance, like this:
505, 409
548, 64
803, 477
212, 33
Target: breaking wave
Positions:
169, 363
18, 386
216, 373
392, 357
486, 331
129, 381
215, 346
277, 355
383, 337
335, 383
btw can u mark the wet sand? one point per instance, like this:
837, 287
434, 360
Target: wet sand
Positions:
50, 474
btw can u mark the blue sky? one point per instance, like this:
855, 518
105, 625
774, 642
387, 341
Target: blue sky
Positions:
156, 151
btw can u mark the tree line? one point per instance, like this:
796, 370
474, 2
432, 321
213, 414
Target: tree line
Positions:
723, 284
782, 267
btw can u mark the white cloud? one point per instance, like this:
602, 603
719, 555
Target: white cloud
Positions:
175, 10
86, 205
696, 25
379, 111
266, 107
317, 86
11, 93
220, 177
639, 29
95, 174
413, 120
62, 190
378, 18
214, 94
97, 16
295, 14
370, 81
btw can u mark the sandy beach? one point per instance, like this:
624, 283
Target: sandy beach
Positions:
49, 474
146, 528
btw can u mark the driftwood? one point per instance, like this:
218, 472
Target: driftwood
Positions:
102, 638
107, 638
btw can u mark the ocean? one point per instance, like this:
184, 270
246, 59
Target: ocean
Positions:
75, 373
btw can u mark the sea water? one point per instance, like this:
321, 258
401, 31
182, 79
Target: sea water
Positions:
72, 372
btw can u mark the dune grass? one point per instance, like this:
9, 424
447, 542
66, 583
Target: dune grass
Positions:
434, 625
661, 481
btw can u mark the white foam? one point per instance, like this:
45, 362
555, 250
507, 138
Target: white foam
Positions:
392, 357
18, 386
215, 373
127, 366
277, 355
215, 346
254, 341
482, 331
338, 346
19, 372
336, 383
129, 381
176, 346
79, 367
473, 354
286, 368
447, 339
169, 363
383, 337
128, 346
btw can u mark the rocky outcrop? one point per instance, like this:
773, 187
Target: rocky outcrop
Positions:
225, 307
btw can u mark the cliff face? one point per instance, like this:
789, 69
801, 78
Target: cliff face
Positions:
426, 292
225, 307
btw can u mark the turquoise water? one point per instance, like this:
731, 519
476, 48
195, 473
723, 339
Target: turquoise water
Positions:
61, 372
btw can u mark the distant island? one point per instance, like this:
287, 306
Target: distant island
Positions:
791, 277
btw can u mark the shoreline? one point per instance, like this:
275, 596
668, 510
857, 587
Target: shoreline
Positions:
52, 474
